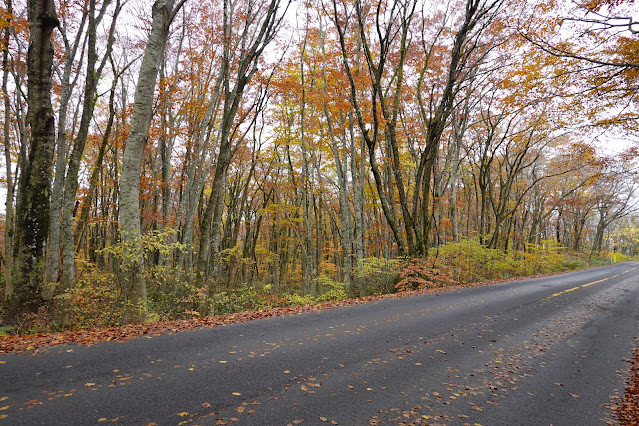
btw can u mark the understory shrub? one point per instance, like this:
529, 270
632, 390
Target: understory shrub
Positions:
330, 290
572, 264
374, 275
471, 262
422, 273
241, 298
544, 258
95, 301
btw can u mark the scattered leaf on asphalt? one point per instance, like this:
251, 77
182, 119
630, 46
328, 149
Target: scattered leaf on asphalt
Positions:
206, 405
324, 419
237, 393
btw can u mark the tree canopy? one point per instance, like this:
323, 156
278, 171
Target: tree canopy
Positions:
188, 157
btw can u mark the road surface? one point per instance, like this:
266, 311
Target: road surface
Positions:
542, 351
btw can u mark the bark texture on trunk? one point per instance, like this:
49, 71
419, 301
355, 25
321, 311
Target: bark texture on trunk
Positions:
133, 260
8, 228
33, 210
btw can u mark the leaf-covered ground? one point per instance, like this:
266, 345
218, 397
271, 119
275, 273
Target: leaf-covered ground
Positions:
30, 343
628, 409
23, 343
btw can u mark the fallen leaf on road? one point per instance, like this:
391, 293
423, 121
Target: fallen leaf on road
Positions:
183, 413
6, 407
334, 422
206, 405
237, 393
298, 421
102, 419
240, 409
324, 419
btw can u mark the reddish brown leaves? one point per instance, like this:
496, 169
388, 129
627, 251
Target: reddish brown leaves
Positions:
628, 410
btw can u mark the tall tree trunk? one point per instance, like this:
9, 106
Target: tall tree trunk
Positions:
57, 190
306, 192
265, 21
475, 11
357, 175
33, 211
133, 261
8, 224
71, 181
371, 136
97, 167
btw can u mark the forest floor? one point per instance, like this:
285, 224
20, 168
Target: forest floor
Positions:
27, 343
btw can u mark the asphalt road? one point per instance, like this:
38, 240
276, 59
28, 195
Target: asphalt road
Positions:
543, 351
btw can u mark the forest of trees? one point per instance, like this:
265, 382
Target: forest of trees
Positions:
161, 159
